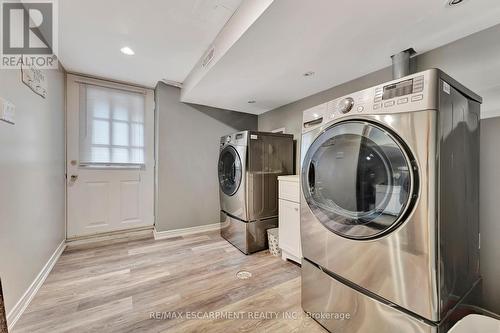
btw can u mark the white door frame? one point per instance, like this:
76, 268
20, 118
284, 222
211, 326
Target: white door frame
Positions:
146, 174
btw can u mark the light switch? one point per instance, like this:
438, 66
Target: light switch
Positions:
7, 111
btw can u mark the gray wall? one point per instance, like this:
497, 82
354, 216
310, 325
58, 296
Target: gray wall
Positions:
490, 213
473, 61
290, 116
32, 185
188, 149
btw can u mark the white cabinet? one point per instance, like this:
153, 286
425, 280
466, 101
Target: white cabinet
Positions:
289, 218
289, 188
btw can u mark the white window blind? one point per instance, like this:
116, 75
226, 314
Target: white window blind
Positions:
111, 126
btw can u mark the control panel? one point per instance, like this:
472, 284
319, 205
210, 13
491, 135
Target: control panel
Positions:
412, 93
235, 139
399, 93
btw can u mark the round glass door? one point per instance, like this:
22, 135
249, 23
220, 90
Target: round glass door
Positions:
229, 170
358, 180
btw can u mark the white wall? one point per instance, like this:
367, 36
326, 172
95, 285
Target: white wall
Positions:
290, 116
32, 184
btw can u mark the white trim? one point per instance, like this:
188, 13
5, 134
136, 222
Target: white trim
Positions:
108, 83
156, 158
172, 83
18, 309
185, 231
112, 235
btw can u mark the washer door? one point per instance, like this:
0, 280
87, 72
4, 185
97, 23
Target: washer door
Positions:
229, 170
358, 180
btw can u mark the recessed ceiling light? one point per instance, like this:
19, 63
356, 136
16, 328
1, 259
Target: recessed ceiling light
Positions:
452, 3
310, 73
127, 50
252, 102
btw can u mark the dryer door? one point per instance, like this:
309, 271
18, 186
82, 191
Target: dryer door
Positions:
230, 172
358, 180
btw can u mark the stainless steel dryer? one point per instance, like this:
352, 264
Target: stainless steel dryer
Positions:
389, 206
249, 165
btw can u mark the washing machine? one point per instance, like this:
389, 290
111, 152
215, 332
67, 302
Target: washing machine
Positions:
390, 206
231, 170
248, 169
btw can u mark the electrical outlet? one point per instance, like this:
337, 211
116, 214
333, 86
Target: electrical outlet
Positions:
7, 111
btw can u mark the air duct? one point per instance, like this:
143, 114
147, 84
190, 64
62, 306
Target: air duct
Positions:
401, 63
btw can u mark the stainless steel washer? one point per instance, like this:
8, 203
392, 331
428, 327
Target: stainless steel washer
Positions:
249, 165
389, 205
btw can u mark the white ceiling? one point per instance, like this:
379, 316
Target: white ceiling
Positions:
168, 36
338, 40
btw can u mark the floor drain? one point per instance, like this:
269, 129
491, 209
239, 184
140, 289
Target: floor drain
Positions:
243, 275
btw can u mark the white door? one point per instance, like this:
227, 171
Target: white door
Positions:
110, 156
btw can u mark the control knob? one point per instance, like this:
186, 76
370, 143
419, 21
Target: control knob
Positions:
346, 105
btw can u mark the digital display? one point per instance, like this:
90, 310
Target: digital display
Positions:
398, 89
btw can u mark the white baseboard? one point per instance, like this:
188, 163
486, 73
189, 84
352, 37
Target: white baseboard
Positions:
107, 236
18, 309
185, 231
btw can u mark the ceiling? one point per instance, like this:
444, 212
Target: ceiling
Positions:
168, 36
266, 47
338, 40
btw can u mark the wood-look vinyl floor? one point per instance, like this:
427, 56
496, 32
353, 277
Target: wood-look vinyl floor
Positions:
134, 284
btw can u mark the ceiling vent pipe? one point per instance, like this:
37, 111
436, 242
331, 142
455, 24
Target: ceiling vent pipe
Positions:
401, 63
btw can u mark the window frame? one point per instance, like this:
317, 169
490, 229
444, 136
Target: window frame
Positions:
118, 87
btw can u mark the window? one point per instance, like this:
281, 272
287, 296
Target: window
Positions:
111, 126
